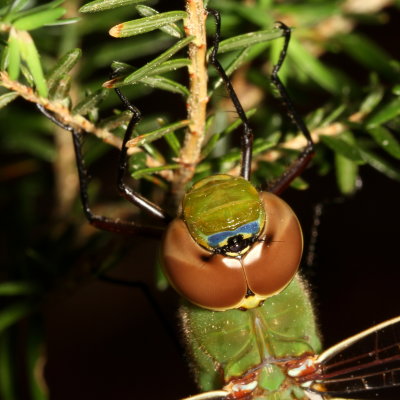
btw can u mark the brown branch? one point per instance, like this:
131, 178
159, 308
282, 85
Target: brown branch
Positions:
299, 141
59, 109
74, 120
197, 101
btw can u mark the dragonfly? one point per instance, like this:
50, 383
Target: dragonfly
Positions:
233, 255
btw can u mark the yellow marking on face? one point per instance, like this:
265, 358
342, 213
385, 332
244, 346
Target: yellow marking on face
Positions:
244, 251
251, 302
240, 253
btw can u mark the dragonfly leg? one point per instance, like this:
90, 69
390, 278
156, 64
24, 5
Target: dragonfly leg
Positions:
123, 188
247, 133
317, 220
99, 221
305, 156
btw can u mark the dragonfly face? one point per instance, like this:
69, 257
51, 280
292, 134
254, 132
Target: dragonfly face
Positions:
234, 246
224, 214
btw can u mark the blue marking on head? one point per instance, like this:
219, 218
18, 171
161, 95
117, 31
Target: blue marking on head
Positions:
250, 228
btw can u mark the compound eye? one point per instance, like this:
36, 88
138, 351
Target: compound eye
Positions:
272, 263
206, 279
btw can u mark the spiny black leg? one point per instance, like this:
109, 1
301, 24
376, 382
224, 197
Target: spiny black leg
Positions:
247, 133
301, 163
97, 220
53, 119
125, 190
151, 300
101, 222
318, 211
312, 244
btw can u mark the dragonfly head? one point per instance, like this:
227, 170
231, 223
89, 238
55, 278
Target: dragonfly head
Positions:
233, 246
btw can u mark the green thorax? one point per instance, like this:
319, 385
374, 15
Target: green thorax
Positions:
222, 205
225, 345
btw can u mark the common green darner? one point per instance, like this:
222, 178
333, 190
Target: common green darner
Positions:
235, 247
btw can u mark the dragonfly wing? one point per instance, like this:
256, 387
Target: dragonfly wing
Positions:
366, 365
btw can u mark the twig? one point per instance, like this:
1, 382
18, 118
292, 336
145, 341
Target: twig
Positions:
299, 141
197, 101
75, 120
59, 109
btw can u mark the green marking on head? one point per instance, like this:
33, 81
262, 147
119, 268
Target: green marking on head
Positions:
221, 203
